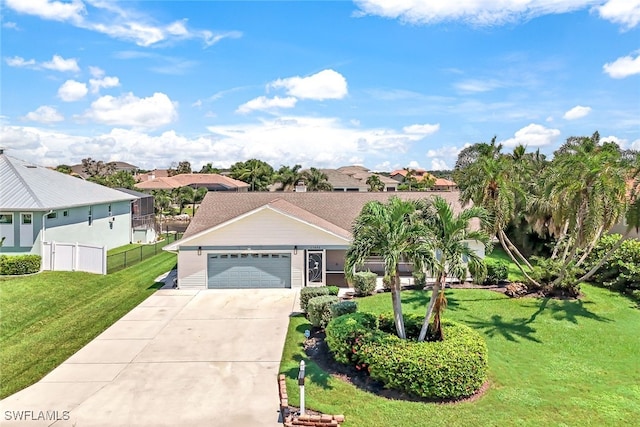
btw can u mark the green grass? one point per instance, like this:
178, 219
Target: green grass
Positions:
47, 317
552, 363
498, 254
122, 249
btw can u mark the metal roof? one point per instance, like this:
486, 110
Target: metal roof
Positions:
25, 186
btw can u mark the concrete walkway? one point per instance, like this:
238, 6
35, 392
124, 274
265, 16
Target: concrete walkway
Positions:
181, 358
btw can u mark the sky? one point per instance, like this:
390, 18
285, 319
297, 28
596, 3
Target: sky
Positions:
379, 83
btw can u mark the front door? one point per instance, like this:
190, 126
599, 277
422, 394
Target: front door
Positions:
315, 268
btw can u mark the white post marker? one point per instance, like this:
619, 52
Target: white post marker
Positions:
301, 384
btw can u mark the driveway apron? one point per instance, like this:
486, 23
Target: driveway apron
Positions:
181, 358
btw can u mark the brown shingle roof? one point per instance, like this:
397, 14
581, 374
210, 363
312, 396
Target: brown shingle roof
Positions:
183, 180
337, 209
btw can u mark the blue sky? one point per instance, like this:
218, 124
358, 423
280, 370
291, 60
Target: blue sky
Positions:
377, 83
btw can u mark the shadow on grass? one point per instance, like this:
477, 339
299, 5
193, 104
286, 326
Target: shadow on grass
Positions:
313, 373
511, 330
569, 310
420, 299
156, 286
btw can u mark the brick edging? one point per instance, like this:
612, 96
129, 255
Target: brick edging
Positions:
291, 420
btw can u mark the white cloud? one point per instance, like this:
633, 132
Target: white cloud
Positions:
414, 165
72, 90
474, 12
263, 103
635, 145
52, 10
576, 112
425, 129
623, 67
18, 61
11, 25
44, 114
327, 84
439, 165
129, 110
623, 12
449, 152
96, 72
116, 22
533, 135
105, 82
58, 63
475, 86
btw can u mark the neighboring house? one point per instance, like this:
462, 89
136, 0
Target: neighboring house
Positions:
262, 239
156, 173
210, 181
38, 205
442, 184
622, 227
143, 218
419, 174
352, 179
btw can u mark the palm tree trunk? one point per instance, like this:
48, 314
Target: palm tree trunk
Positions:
397, 306
562, 236
432, 301
515, 249
604, 259
513, 258
590, 247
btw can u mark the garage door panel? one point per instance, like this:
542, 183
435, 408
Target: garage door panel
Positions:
249, 271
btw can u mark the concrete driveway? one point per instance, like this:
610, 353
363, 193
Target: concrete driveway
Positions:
181, 358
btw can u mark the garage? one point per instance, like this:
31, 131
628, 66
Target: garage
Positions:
256, 270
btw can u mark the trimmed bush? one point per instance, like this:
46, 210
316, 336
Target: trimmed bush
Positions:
621, 272
311, 292
343, 307
364, 282
387, 282
412, 324
319, 309
497, 272
453, 368
419, 278
345, 332
333, 290
19, 264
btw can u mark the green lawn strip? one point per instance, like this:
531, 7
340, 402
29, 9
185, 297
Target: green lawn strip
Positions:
48, 317
552, 362
124, 248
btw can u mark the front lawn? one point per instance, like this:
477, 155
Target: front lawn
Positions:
551, 362
49, 316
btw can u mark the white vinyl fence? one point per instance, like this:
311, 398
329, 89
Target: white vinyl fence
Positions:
58, 256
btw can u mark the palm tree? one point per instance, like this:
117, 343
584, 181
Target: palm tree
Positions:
395, 232
316, 180
450, 235
186, 195
256, 173
288, 177
374, 183
587, 187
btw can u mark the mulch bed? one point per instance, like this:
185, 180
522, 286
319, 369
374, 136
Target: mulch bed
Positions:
316, 348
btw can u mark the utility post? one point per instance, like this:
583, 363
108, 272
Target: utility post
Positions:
301, 384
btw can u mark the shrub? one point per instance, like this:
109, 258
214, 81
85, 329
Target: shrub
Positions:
311, 292
345, 332
20, 264
343, 307
497, 271
621, 272
319, 309
453, 368
387, 282
333, 290
364, 282
419, 278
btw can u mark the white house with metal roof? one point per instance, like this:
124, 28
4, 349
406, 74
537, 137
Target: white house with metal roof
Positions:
39, 205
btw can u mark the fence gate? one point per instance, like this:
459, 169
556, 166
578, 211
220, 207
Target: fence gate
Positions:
59, 256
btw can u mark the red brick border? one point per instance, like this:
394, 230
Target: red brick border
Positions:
291, 420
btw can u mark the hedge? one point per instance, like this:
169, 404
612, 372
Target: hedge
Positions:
364, 282
319, 309
343, 307
453, 368
497, 272
311, 292
19, 264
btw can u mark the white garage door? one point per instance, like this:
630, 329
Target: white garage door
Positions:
249, 271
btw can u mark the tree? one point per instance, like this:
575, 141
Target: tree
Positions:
395, 232
316, 180
208, 168
97, 168
374, 183
256, 173
120, 179
450, 235
183, 167
66, 169
288, 177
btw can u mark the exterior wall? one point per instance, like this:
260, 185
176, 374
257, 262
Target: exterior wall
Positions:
192, 268
110, 231
621, 228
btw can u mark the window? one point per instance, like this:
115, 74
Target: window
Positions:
110, 212
52, 215
90, 219
6, 218
65, 213
26, 218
